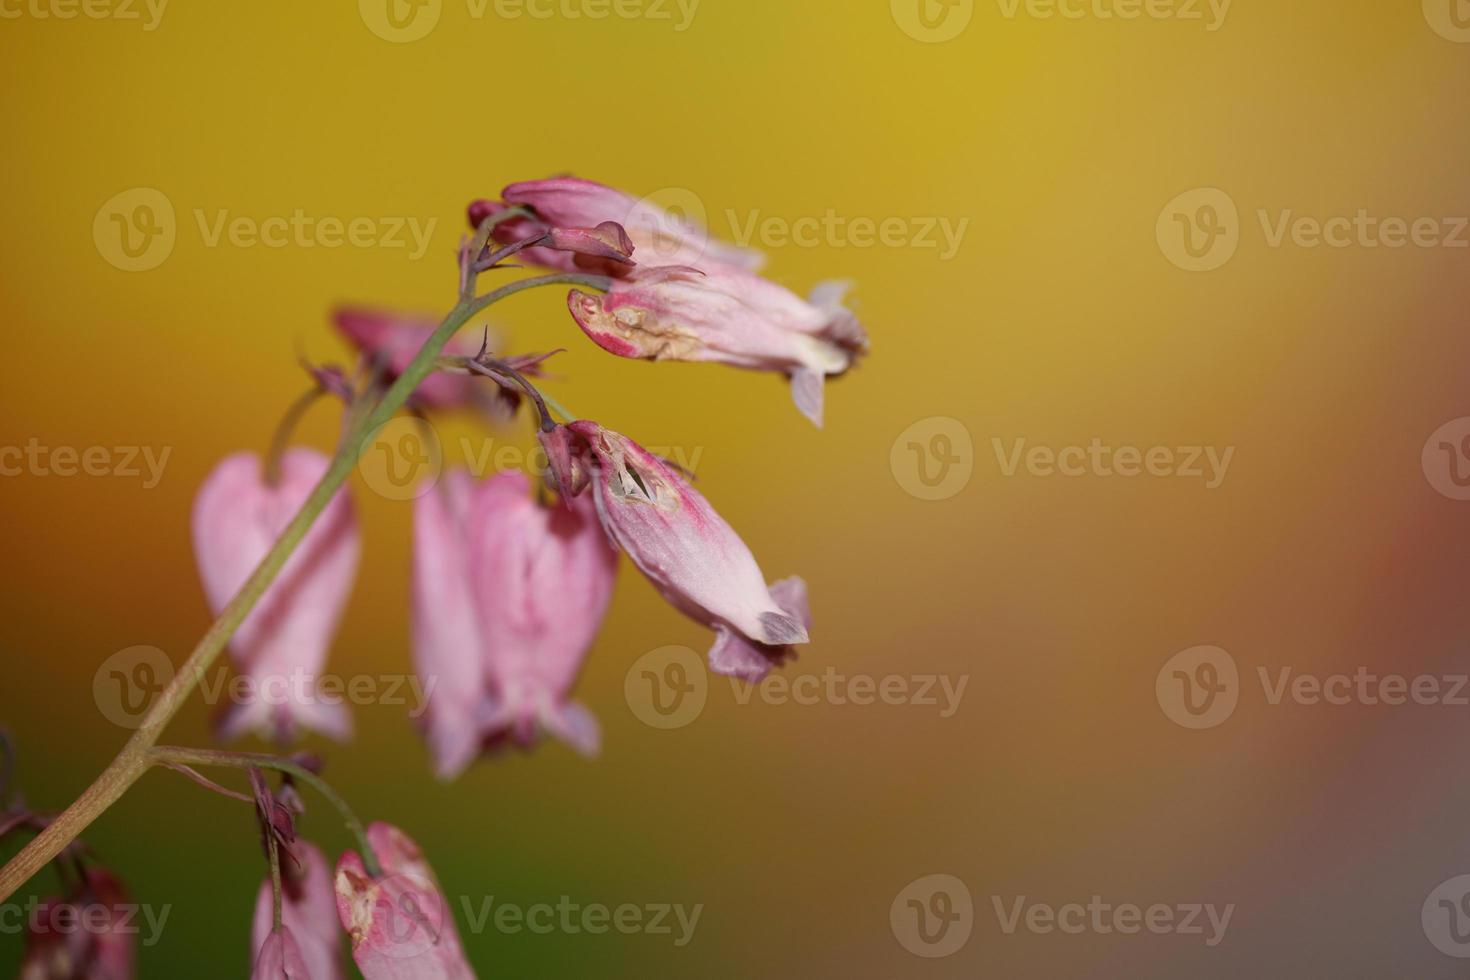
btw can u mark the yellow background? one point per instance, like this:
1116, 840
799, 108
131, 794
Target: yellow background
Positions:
1060, 319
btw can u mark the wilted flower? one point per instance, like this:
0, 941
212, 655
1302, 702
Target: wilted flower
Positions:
657, 235
508, 595
281, 647
86, 936
400, 925
308, 912
688, 552
729, 317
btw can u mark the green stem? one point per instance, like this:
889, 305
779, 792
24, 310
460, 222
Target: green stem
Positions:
134, 759
173, 755
282, 438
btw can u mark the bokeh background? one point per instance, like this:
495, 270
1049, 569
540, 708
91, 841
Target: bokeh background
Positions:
1062, 316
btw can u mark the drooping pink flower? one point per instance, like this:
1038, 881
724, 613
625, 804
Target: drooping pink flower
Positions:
657, 235
281, 647
280, 958
89, 935
508, 595
694, 558
542, 578
308, 911
729, 317
400, 924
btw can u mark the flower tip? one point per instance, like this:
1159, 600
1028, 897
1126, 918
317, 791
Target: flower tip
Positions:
481, 209
597, 323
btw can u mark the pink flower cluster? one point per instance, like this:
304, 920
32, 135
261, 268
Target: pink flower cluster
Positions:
509, 588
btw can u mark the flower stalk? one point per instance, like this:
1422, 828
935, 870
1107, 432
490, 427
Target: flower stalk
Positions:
136, 756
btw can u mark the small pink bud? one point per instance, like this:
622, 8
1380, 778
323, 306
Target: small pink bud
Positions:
607, 241
280, 958
308, 911
660, 235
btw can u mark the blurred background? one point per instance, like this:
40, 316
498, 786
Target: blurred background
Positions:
1168, 314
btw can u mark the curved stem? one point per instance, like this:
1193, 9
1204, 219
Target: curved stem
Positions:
174, 755
134, 760
282, 437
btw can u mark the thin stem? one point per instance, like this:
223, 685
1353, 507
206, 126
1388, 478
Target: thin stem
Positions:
274, 846
559, 407
207, 783
282, 437
133, 760
501, 372
173, 755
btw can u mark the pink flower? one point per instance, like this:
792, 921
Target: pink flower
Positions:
280, 958
729, 317
87, 936
657, 235
391, 340
401, 926
281, 647
308, 912
691, 555
508, 595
